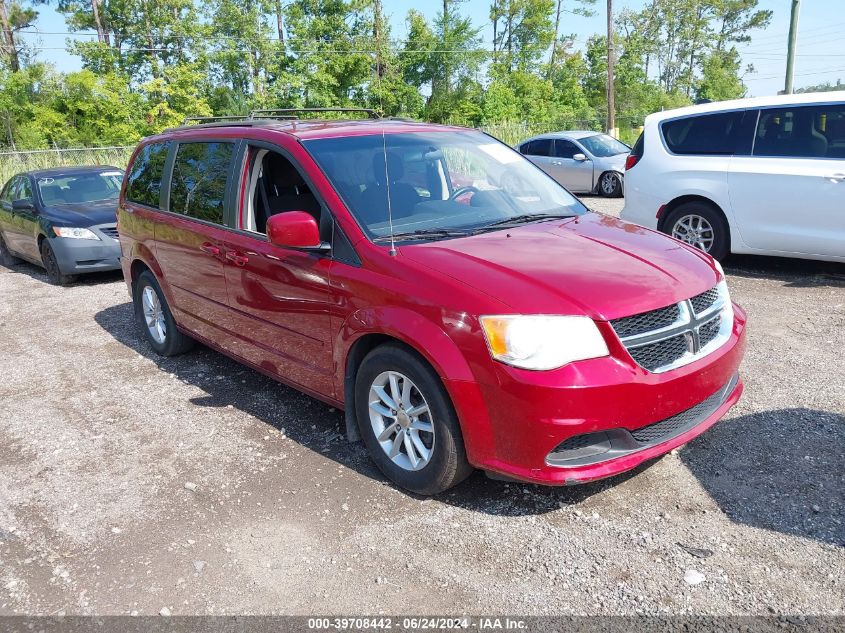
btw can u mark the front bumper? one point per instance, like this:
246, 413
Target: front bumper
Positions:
529, 415
83, 256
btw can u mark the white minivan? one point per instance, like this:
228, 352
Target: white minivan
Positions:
763, 176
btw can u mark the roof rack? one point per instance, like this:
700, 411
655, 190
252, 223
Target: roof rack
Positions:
276, 114
211, 119
290, 113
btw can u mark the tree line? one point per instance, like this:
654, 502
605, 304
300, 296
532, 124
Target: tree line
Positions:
153, 62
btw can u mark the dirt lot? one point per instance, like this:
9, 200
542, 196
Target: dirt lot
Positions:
132, 483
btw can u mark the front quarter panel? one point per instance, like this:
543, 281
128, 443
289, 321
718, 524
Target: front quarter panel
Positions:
415, 306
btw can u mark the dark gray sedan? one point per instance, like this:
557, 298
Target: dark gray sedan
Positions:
63, 219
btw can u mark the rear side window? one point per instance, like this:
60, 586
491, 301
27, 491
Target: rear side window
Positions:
198, 184
539, 147
718, 134
143, 180
801, 132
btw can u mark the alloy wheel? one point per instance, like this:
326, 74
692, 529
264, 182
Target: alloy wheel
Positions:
608, 184
401, 420
694, 230
153, 315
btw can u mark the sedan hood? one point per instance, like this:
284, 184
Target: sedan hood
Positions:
616, 163
83, 214
593, 264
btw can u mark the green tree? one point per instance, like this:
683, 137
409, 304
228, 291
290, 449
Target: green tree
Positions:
445, 58
720, 78
330, 43
241, 46
13, 18
523, 31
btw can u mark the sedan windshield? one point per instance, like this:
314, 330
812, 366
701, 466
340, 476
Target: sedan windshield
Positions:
80, 187
603, 145
438, 184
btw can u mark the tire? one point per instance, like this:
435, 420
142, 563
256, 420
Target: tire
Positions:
6, 258
610, 185
446, 464
154, 316
51, 265
712, 234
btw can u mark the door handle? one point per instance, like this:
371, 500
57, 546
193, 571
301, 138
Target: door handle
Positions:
557, 162
211, 249
836, 177
239, 259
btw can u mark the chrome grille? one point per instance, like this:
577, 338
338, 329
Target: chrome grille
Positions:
647, 321
701, 302
664, 352
109, 231
709, 330
675, 335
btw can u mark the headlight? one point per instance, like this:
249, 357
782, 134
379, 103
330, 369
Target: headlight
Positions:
719, 267
542, 342
75, 233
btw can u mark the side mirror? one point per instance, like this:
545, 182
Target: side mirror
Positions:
24, 204
579, 157
295, 229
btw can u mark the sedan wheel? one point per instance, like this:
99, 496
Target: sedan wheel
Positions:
610, 185
51, 265
401, 420
694, 230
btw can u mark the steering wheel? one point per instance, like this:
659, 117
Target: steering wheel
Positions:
457, 193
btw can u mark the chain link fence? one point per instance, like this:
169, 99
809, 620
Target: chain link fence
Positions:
12, 163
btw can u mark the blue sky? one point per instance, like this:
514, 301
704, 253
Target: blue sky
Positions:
821, 45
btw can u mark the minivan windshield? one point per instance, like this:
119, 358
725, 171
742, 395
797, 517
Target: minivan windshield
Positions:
604, 145
80, 187
438, 184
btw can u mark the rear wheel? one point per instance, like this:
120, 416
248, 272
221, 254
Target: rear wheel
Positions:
408, 422
155, 319
701, 225
6, 257
610, 184
51, 265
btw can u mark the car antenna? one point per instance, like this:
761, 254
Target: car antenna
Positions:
387, 184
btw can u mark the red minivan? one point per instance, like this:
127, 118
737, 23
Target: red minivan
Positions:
463, 308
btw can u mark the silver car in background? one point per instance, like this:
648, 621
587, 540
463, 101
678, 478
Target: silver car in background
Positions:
582, 161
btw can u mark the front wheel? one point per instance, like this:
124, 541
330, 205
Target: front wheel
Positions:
610, 184
51, 265
701, 225
408, 423
155, 319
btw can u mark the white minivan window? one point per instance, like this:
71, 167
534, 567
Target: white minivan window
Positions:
801, 132
719, 134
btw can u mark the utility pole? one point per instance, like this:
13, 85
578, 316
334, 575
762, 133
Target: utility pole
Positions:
611, 105
790, 55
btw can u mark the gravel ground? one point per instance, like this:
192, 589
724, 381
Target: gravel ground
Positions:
131, 484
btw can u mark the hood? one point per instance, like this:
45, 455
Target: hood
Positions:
593, 264
617, 163
83, 214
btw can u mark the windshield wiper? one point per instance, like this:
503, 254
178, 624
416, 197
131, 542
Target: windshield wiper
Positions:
422, 233
527, 217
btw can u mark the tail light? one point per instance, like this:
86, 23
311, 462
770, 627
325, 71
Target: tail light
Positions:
636, 152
